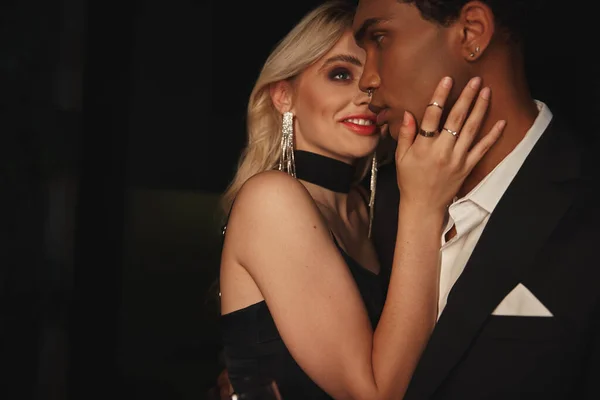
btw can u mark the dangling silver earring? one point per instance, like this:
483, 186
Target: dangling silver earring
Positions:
286, 157
373, 187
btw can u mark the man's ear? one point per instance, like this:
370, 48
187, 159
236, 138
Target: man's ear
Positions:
281, 95
477, 26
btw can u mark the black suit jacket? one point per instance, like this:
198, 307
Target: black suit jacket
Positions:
545, 234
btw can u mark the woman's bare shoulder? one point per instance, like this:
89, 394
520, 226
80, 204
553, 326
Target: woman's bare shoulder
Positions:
270, 198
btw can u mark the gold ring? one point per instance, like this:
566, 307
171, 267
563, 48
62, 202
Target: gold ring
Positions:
453, 133
435, 104
425, 133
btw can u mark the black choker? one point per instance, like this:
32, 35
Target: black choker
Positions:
323, 171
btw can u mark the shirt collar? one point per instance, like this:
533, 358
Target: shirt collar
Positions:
490, 190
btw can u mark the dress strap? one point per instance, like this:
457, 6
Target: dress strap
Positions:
334, 239
337, 244
364, 193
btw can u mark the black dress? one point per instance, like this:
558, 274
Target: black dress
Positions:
255, 354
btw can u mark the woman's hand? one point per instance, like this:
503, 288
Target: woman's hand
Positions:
432, 165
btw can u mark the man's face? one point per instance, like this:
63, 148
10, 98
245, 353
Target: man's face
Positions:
407, 57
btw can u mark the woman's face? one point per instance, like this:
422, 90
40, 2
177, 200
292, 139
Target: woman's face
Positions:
332, 115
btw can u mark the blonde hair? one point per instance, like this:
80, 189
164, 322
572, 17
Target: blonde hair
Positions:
306, 43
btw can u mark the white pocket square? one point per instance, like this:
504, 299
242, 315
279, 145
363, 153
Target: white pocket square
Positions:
521, 303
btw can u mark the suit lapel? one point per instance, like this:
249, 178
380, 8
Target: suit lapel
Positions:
522, 221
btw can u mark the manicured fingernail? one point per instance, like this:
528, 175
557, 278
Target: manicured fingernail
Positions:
447, 82
475, 82
406, 118
485, 93
501, 124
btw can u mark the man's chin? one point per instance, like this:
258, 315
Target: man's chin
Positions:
391, 131
385, 130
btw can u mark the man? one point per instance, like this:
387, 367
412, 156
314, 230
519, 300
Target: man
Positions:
519, 299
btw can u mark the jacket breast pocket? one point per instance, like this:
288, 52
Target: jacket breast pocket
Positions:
523, 328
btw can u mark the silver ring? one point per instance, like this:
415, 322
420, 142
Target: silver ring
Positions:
369, 92
425, 133
435, 104
453, 133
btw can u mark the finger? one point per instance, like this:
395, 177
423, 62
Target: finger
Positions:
406, 135
224, 394
275, 390
452, 128
482, 147
225, 388
223, 378
433, 113
471, 127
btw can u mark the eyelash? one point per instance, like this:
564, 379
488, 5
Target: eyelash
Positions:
376, 38
339, 71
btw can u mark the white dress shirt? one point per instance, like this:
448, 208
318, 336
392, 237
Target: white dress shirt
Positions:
471, 213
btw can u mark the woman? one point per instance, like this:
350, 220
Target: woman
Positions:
301, 297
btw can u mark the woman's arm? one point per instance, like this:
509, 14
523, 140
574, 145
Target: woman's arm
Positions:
284, 244
278, 235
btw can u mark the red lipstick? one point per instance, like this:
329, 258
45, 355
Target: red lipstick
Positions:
361, 124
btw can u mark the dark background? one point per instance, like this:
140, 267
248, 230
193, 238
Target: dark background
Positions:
120, 125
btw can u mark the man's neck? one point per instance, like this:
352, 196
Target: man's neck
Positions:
519, 110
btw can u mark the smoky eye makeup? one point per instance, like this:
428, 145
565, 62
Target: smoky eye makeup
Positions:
340, 74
